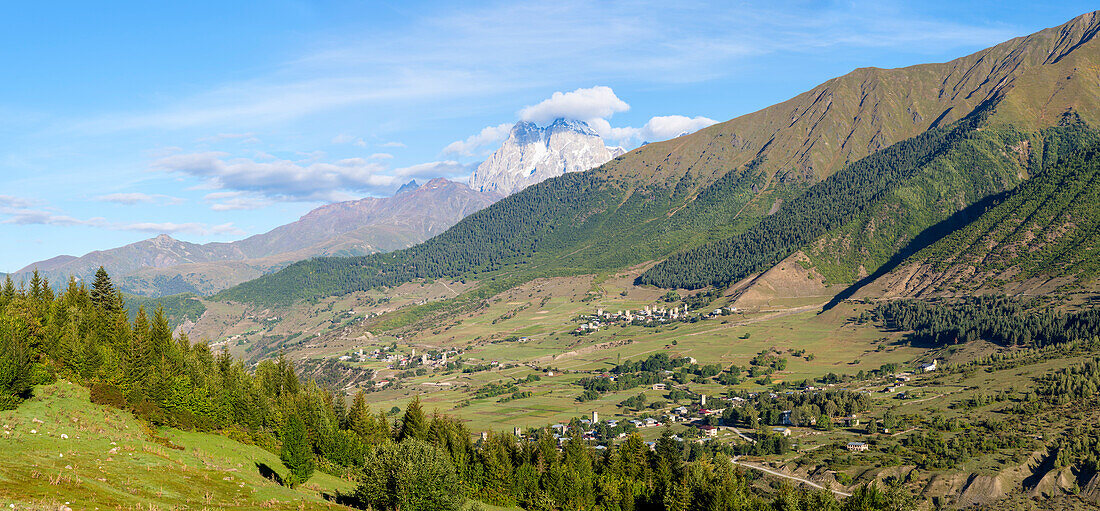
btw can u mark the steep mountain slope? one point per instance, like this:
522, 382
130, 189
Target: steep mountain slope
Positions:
163, 265
533, 154
1042, 236
716, 183
846, 118
857, 220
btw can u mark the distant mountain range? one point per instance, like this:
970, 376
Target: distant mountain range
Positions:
163, 265
533, 154
835, 184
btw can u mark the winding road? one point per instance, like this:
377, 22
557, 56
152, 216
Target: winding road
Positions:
786, 476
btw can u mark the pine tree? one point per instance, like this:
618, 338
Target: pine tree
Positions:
7, 295
15, 378
339, 409
36, 286
413, 424
103, 294
296, 453
160, 335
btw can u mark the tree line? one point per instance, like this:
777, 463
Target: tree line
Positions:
998, 319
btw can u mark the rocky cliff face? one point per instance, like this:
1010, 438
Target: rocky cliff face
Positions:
532, 154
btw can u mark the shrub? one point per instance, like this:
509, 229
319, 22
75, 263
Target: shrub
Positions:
107, 394
410, 476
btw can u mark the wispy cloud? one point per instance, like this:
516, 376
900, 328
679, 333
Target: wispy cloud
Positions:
305, 180
487, 136
187, 227
229, 136
348, 139
13, 212
447, 168
133, 198
236, 201
8, 201
39, 217
465, 52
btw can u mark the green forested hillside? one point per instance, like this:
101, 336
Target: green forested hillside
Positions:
1047, 228
177, 308
932, 202
867, 214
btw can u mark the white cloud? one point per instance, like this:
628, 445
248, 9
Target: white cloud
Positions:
592, 103
308, 180
393, 144
18, 211
447, 169
381, 156
133, 198
488, 135
656, 129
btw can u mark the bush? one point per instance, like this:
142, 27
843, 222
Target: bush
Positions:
41, 374
107, 394
410, 476
237, 434
149, 411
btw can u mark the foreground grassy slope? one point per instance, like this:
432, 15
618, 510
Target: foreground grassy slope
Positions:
679, 194
107, 459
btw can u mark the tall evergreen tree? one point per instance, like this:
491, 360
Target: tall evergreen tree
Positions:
413, 424
103, 293
296, 453
7, 295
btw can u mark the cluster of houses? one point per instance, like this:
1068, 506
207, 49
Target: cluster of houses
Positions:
397, 360
646, 316
681, 414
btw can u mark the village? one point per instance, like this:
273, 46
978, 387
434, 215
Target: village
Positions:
647, 316
697, 422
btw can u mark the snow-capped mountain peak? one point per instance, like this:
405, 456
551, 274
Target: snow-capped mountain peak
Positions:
532, 154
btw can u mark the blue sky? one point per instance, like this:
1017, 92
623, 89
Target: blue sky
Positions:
211, 123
